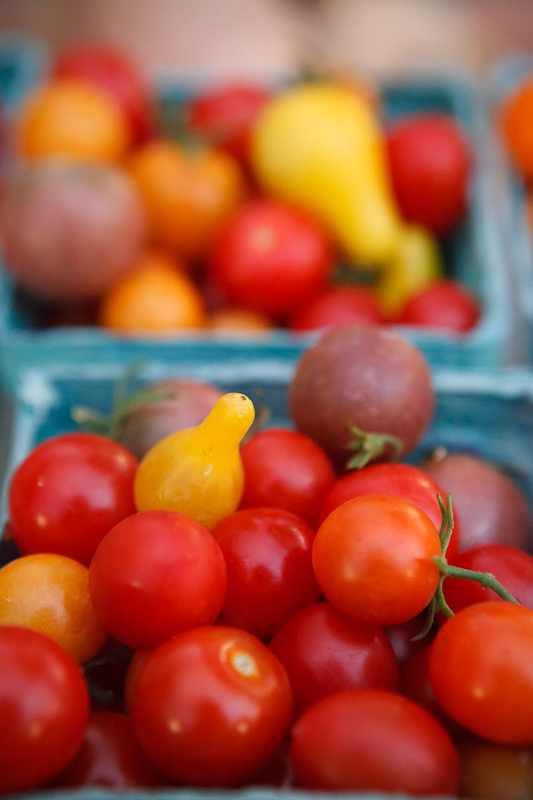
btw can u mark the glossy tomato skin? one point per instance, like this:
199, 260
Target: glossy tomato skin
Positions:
403, 480
212, 706
481, 671
270, 257
109, 756
325, 652
286, 469
156, 574
225, 115
373, 740
512, 567
373, 559
44, 706
111, 70
446, 304
430, 161
50, 594
270, 574
337, 305
69, 492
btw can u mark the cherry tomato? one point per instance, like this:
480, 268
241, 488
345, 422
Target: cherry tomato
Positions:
430, 161
285, 469
512, 567
373, 740
270, 257
403, 480
325, 652
111, 70
50, 593
109, 756
68, 492
445, 304
226, 114
155, 574
335, 306
270, 574
495, 771
481, 673
516, 121
373, 558
44, 706
212, 706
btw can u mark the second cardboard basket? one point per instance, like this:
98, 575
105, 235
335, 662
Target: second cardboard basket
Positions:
474, 256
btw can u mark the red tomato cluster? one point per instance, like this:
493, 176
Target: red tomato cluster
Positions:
219, 252
139, 649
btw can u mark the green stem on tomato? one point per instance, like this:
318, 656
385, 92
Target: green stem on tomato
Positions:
369, 445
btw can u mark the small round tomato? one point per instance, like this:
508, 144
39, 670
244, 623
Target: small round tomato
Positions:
516, 121
225, 115
50, 593
325, 652
335, 306
211, 706
109, 756
68, 492
430, 161
270, 574
373, 740
373, 559
115, 73
156, 574
445, 304
44, 706
285, 469
270, 257
403, 480
481, 671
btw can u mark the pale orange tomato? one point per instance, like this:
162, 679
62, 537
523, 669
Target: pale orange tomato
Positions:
157, 298
187, 194
68, 116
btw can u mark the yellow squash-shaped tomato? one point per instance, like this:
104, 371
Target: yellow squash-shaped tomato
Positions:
321, 146
198, 471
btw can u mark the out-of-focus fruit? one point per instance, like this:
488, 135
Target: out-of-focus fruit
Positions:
70, 228
445, 303
430, 161
69, 116
516, 121
157, 298
335, 306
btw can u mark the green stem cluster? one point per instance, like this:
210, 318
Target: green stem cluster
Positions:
486, 579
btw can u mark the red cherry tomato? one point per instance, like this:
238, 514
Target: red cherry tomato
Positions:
512, 567
403, 480
373, 559
270, 257
335, 306
373, 740
480, 670
212, 706
285, 469
156, 574
225, 115
270, 574
445, 304
44, 706
68, 493
112, 70
430, 160
109, 756
325, 652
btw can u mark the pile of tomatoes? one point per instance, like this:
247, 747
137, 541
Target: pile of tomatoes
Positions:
218, 251
276, 634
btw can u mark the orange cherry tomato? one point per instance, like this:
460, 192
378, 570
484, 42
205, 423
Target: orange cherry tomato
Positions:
188, 195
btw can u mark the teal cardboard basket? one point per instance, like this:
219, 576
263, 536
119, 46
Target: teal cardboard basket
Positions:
474, 256
505, 78
488, 413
